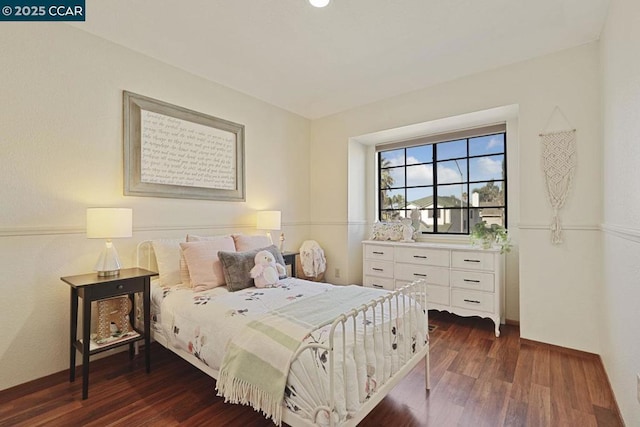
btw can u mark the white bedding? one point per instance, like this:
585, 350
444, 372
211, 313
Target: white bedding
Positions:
202, 323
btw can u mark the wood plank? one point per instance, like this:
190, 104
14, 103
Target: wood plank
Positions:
539, 409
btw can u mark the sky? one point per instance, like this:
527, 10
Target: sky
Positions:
451, 168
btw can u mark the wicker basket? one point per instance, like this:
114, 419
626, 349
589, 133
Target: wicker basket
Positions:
300, 272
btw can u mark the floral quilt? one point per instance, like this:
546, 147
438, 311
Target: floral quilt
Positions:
202, 324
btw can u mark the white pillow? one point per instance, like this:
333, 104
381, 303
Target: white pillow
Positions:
168, 259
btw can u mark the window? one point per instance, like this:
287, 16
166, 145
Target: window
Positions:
452, 181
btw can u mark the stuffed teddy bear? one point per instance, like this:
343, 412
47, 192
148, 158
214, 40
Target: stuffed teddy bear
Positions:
266, 272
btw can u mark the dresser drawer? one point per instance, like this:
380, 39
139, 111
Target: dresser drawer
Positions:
379, 252
472, 280
433, 275
472, 260
378, 268
379, 283
472, 300
437, 295
423, 256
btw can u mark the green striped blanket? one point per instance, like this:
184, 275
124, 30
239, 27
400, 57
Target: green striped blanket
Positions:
256, 363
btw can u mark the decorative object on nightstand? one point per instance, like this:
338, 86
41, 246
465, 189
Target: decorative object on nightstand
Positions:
268, 221
113, 320
110, 291
109, 223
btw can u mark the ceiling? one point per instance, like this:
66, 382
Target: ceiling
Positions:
317, 62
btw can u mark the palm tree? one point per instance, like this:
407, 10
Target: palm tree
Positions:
386, 180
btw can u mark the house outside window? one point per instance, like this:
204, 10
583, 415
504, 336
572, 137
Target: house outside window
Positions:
451, 181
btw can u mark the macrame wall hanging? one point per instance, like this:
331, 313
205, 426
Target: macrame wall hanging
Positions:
558, 163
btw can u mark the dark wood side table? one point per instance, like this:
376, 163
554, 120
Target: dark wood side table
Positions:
290, 259
91, 288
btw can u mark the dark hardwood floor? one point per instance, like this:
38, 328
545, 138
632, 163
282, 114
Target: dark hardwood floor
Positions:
476, 380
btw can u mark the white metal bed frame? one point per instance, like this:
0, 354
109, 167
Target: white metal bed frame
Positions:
417, 293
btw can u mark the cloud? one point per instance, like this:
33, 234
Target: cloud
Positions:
397, 160
419, 174
446, 175
494, 142
489, 168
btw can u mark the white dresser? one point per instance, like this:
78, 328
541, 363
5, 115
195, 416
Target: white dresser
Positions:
461, 279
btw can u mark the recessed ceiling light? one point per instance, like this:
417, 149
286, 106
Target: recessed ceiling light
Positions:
319, 3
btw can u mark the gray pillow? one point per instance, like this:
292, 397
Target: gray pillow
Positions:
236, 266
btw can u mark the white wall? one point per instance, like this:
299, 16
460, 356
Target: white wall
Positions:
557, 286
61, 152
620, 296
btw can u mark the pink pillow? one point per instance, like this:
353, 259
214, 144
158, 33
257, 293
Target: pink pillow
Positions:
196, 238
205, 269
248, 243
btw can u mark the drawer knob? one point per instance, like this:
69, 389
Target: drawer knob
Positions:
420, 256
377, 269
419, 274
378, 253
120, 286
377, 286
472, 301
471, 260
471, 280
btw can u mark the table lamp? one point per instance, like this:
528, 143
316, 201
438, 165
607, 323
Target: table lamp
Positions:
270, 220
109, 223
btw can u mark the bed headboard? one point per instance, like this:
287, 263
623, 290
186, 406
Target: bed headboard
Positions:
145, 256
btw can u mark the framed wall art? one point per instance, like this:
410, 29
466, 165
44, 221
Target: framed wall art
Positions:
170, 151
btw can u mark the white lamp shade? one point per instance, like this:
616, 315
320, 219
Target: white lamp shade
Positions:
268, 220
109, 223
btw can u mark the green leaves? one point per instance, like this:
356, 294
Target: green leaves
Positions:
489, 236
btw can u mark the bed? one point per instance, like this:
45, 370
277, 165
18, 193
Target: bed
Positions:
362, 341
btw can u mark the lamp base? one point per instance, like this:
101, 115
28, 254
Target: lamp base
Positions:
110, 273
108, 264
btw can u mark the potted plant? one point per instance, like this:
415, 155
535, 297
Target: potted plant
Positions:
487, 236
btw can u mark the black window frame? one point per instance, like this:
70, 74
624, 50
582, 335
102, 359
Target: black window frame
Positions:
436, 212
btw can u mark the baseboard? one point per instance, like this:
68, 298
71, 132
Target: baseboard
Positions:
565, 350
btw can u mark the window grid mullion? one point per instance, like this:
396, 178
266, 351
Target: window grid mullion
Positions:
434, 172
464, 211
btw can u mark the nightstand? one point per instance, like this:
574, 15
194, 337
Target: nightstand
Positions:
290, 259
91, 288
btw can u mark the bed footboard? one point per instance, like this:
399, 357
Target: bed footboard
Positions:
410, 301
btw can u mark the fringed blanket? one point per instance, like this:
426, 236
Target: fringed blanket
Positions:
256, 363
